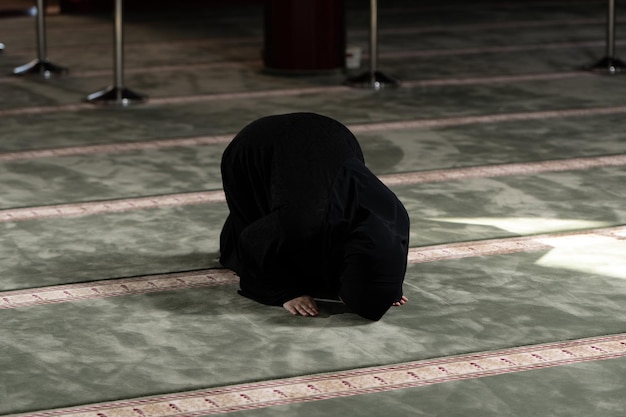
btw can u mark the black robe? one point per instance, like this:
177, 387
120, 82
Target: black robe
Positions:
307, 217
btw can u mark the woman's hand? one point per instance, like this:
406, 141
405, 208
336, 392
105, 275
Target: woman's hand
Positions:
402, 302
304, 306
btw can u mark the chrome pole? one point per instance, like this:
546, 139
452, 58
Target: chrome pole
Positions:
373, 78
41, 31
117, 93
373, 49
609, 63
119, 46
610, 30
40, 66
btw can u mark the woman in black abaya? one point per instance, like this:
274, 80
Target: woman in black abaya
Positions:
309, 220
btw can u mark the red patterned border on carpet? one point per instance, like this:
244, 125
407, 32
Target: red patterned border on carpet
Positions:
204, 197
211, 277
355, 382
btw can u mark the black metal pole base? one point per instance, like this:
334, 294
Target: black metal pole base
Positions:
375, 80
116, 96
45, 69
608, 64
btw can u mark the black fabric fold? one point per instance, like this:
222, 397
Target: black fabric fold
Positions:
307, 217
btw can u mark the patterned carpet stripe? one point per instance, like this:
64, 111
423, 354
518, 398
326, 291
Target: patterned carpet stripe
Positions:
371, 127
111, 206
116, 288
354, 382
256, 63
212, 277
115, 147
205, 197
492, 118
494, 49
72, 107
490, 171
479, 27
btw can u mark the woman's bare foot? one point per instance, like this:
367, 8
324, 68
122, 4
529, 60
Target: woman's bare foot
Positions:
304, 306
402, 302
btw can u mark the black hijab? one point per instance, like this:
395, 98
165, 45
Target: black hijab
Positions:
307, 217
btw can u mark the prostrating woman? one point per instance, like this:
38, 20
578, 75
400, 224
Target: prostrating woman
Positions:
308, 220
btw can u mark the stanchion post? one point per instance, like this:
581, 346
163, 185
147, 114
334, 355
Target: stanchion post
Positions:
117, 93
373, 42
373, 78
610, 29
40, 66
609, 63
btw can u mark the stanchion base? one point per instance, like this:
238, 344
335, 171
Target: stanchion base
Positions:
117, 96
608, 64
1, 47
44, 69
376, 80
